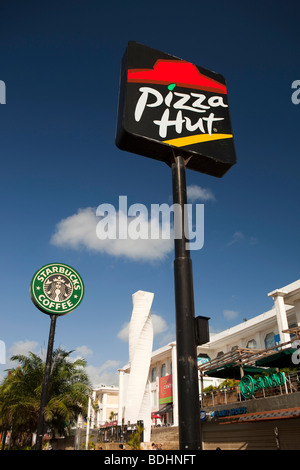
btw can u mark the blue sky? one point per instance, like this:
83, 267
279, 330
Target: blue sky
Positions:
60, 61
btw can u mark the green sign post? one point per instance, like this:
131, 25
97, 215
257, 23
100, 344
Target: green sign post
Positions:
56, 289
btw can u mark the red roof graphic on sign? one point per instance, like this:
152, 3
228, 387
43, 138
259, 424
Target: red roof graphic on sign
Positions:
179, 72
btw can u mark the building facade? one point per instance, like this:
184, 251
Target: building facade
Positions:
260, 332
106, 399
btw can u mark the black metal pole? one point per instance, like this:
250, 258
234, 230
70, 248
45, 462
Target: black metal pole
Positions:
188, 389
44, 396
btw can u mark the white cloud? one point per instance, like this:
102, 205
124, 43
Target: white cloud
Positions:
238, 237
159, 326
79, 231
83, 351
168, 336
124, 332
23, 347
106, 374
230, 314
196, 193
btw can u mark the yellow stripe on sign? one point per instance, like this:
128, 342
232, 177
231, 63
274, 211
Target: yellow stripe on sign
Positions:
196, 139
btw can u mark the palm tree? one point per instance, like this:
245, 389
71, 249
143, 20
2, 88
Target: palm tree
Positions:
135, 440
20, 393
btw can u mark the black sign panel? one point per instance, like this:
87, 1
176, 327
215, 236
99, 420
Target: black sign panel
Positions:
168, 106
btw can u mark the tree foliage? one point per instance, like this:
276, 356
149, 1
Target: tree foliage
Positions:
20, 393
135, 440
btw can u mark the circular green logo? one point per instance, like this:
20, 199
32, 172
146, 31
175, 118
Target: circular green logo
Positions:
56, 289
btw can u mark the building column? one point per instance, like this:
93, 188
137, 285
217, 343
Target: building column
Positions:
297, 309
98, 416
104, 407
282, 323
174, 384
93, 411
121, 396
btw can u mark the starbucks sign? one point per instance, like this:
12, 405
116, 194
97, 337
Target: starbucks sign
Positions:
56, 289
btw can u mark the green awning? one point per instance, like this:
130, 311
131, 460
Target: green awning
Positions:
279, 359
232, 371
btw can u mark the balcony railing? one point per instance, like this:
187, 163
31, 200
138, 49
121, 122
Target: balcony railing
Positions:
233, 394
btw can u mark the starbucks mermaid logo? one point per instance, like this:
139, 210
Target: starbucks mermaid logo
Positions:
58, 288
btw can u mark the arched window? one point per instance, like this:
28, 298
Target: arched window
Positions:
269, 340
202, 358
153, 374
163, 370
252, 344
292, 335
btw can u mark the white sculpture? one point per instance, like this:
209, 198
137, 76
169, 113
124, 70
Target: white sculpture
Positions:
138, 403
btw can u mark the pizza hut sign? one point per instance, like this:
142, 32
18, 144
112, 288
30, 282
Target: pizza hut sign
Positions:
168, 107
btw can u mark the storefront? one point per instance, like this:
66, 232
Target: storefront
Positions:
261, 411
164, 415
261, 432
